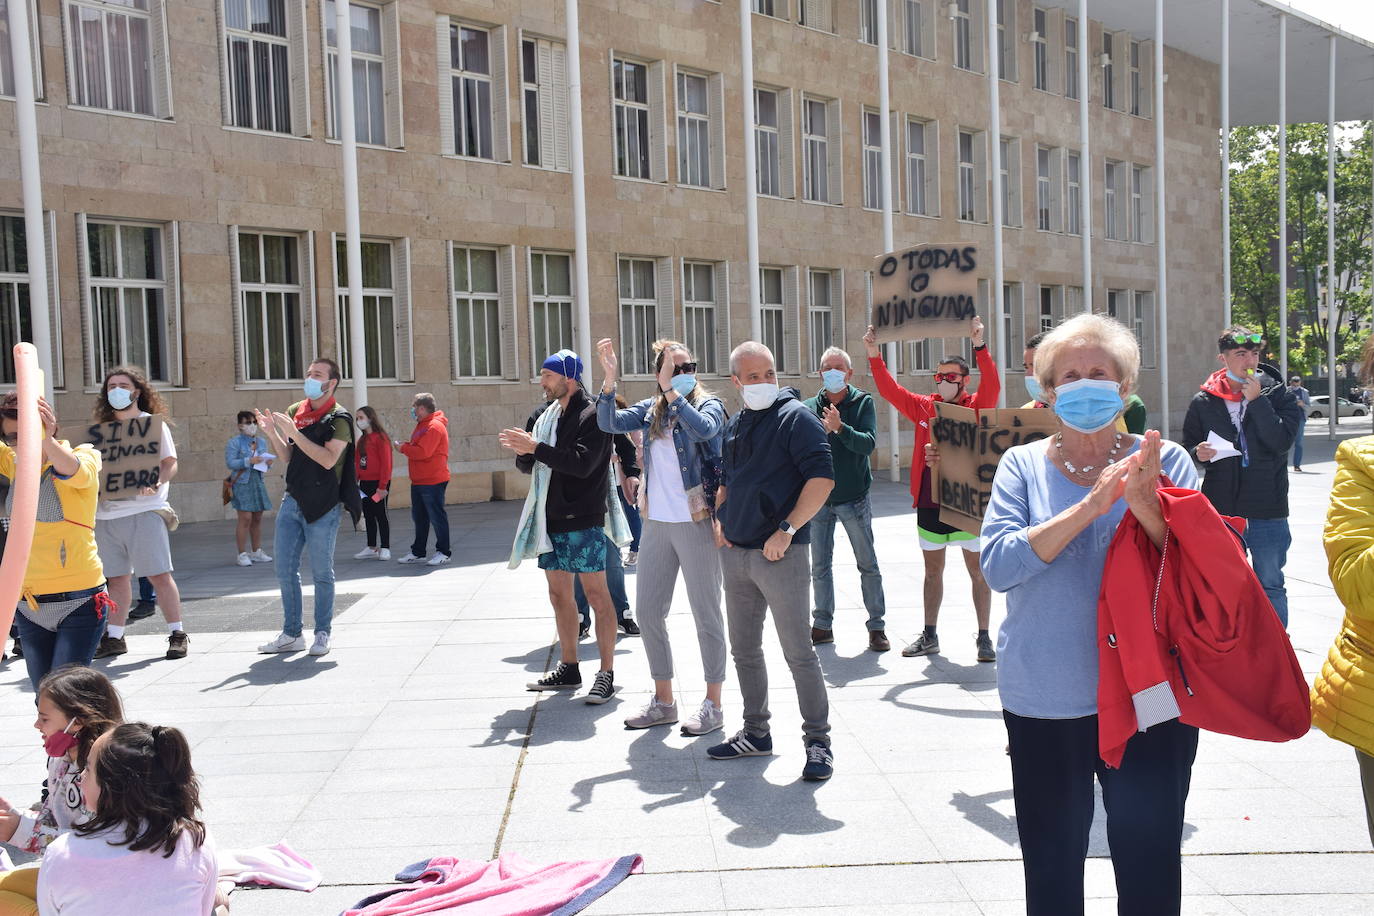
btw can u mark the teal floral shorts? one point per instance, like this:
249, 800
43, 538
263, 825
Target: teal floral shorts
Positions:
581, 551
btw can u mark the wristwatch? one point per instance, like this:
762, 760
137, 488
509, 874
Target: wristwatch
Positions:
786, 527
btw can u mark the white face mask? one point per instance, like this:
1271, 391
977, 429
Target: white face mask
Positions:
363, 423
760, 396
249, 429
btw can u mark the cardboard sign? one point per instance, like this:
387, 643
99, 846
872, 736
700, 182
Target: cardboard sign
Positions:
129, 453
971, 443
925, 291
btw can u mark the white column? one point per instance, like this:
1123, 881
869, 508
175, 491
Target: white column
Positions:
894, 440
995, 158
1085, 171
353, 246
1226, 160
583, 304
1331, 237
751, 178
1283, 195
1161, 248
31, 178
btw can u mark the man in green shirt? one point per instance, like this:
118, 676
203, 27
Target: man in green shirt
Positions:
851, 424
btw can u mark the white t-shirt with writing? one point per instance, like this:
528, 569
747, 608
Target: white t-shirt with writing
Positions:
123, 508
667, 499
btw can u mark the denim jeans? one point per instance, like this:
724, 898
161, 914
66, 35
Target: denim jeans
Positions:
1297, 442
1268, 540
74, 642
295, 536
427, 508
145, 591
615, 583
632, 517
857, 517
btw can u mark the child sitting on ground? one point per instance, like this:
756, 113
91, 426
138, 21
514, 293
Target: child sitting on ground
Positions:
144, 849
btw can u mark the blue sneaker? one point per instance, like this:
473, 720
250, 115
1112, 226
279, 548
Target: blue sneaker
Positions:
742, 745
820, 763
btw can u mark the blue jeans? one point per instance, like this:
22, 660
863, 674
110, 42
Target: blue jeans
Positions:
631, 516
145, 591
615, 583
74, 642
1268, 540
857, 517
427, 508
295, 536
1297, 442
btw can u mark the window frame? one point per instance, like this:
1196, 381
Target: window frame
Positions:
830, 143
546, 298
453, 104
35, 53
400, 309
498, 297
929, 159
158, 62
653, 303
1072, 49
304, 329
972, 176
713, 355
54, 304
298, 72
1009, 183
654, 105
712, 121
551, 99
1073, 190
393, 116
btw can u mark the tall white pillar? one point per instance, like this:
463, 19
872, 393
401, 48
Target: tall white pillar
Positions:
31, 178
1331, 236
751, 192
353, 246
894, 441
1283, 195
583, 304
1085, 171
1225, 160
995, 298
1161, 216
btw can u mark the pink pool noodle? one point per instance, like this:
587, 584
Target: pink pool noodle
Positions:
27, 465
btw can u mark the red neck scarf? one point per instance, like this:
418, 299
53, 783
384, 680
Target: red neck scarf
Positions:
1218, 384
305, 416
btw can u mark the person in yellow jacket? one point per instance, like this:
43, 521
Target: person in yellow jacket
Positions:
1343, 696
62, 611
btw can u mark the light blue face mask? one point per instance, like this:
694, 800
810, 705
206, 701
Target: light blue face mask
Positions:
1033, 388
1238, 379
119, 398
1089, 404
314, 388
683, 384
833, 379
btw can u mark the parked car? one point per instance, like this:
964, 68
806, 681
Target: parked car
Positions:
1344, 408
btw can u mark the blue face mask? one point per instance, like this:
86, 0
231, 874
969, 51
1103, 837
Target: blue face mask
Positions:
413, 414
119, 398
683, 384
833, 379
1033, 388
314, 388
1088, 404
1238, 379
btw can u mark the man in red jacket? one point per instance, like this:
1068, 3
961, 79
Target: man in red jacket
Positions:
427, 452
951, 384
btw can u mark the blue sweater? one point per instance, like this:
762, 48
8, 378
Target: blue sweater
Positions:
769, 455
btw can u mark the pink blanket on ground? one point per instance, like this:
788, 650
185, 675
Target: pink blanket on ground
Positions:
508, 886
276, 866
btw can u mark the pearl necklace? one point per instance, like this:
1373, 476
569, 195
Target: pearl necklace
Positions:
1086, 470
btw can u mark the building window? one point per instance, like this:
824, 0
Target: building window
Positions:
964, 28
772, 316
1108, 72
381, 313
1116, 306
264, 48
922, 194
371, 61
702, 323
972, 176
816, 14
1113, 225
270, 294
774, 8
918, 39
1145, 328
821, 288
1006, 40
1041, 46
1133, 92
117, 55
1075, 201
477, 294
551, 304
873, 161
1013, 319
1137, 204
638, 314
544, 92
821, 150
631, 81
1071, 58
127, 271
16, 316
469, 82
1010, 182
1048, 177
695, 138
868, 21
1051, 306
768, 142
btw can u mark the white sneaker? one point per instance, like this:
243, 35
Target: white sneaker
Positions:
631, 558
367, 553
244, 560
283, 643
321, 644
384, 554
410, 558
705, 720
438, 559
258, 556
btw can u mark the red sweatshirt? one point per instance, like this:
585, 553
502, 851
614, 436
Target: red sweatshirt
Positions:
372, 458
920, 409
427, 450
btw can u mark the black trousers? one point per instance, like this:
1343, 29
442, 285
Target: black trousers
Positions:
1053, 764
374, 513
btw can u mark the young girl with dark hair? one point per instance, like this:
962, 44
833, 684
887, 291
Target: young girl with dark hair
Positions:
244, 453
373, 462
144, 849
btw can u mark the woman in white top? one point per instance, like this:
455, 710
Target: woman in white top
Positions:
144, 849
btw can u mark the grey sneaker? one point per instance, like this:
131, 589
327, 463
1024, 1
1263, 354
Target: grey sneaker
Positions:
924, 645
705, 720
986, 653
653, 713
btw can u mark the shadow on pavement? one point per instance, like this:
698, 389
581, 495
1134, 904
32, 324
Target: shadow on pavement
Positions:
275, 669
841, 670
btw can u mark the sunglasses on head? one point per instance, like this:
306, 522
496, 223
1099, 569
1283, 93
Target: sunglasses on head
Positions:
685, 369
949, 377
1247, 341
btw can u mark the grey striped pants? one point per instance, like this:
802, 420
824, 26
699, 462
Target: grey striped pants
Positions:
665, 547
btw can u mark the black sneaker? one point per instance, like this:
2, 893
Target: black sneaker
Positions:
110, 646
629, 626
564, 677
742, 745
177, 642
142, 610
603, 688
583, 631
18, 650
820, 763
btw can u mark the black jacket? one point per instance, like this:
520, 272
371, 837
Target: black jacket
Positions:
580, 459
1259, 490
318, 489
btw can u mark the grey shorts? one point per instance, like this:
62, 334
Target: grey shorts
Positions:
136, 544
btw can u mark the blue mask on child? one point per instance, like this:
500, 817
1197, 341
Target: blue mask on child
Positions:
1088, 404
834, 380
1033, 388
314, 388
683, 384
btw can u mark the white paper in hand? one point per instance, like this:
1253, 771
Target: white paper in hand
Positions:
1223, 446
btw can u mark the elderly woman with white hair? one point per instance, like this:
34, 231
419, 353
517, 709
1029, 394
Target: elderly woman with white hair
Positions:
1055, 507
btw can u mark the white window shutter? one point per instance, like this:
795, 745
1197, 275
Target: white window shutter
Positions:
722, 294
658, 144
405, 326
895, 18
837, 307
811, 12
300, 71
1147, 78
556, 89
834, 159
1056, 189
83, 280
452, 310
310, 338
787, 144
500, 95
978, 35
443, 50
176, 363
894, 160
222, 41
1147, 203
510, 352
391, 35
932, 168
980, 176
1054, 50
1121, 68
716, 110
236, 308
58, 379
340, 292
161, 53
663, 296
791, 320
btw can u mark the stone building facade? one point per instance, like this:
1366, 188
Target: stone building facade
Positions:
194, 193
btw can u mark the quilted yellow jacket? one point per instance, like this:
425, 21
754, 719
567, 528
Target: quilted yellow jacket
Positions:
1343, 695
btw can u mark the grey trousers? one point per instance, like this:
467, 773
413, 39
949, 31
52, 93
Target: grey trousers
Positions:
665, 547
1367, 781
753, 585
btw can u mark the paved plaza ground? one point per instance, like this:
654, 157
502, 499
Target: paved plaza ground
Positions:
415, 737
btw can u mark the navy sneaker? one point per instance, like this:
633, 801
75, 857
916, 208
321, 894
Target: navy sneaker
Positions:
742, 745
820, 763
